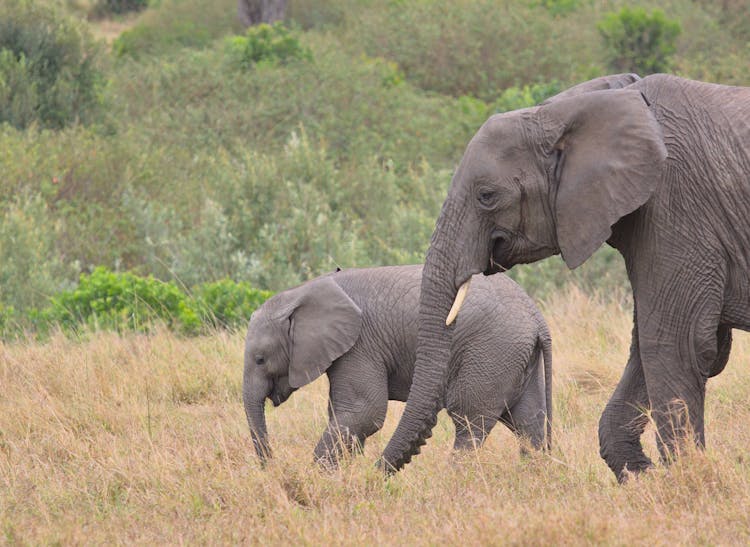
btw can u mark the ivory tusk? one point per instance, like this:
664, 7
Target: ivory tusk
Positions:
460, 297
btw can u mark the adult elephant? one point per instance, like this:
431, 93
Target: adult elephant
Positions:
658, 168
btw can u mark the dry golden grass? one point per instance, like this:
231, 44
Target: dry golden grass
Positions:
143, 439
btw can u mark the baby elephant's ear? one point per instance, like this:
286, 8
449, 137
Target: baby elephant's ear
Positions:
325, 324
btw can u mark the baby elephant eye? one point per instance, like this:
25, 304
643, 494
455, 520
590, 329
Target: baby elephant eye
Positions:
260, 360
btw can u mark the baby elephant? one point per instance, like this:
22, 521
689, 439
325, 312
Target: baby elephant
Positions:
359, 326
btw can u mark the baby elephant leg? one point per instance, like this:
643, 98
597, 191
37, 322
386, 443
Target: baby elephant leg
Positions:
336, 441
353, 415
345, 435
471, 431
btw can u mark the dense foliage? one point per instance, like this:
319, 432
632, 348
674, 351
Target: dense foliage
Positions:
638, 41
272, 156
124, 301
270, 43
49, 73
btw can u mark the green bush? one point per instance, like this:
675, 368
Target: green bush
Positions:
105, 300
637, 41
265, 43
49, 67
227, 304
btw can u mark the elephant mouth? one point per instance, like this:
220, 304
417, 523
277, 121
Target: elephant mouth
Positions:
280, 393
508, 249
500, 247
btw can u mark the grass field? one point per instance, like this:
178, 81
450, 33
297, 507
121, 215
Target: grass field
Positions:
143, 439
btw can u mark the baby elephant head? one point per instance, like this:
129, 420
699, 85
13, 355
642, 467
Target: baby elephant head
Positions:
291, 340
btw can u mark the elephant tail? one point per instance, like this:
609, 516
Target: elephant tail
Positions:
545, 341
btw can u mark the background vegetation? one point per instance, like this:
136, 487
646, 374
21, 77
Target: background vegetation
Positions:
186, 149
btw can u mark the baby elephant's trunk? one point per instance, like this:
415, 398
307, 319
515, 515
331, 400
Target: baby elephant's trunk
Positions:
254, 393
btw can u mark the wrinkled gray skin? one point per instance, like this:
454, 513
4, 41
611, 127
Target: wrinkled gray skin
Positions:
359, 326
658, 168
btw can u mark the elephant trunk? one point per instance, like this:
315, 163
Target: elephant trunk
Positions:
438, 291
254, 395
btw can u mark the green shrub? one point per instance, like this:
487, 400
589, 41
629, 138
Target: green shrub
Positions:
49, 67
227, 304
637, 41
265, 43
121, 301
104, 300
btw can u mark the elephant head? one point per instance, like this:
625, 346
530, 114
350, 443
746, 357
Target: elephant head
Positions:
532, 183
291, 340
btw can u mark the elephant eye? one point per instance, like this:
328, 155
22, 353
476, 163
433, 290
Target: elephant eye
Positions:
260, 360
487, 197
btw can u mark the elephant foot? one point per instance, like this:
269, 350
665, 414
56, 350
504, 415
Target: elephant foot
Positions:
631, 472
626, 467
625, 458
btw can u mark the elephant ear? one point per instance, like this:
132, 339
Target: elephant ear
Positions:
325, 324
613, 81
610, 155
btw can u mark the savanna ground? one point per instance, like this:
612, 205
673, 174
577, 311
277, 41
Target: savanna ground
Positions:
136, 438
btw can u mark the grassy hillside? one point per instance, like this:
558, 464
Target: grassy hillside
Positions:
143, 439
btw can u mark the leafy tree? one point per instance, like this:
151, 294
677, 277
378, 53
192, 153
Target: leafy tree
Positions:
637, 41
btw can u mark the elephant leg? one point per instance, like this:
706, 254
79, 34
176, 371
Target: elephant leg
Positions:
624, 419
471, 431
681, 346
527, 418
356, 410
